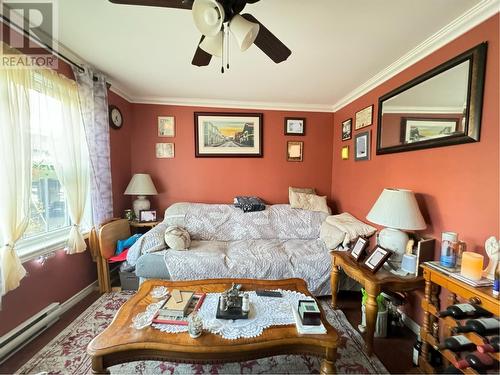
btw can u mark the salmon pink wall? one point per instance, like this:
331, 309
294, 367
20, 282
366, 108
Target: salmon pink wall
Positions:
457, 186
186, 178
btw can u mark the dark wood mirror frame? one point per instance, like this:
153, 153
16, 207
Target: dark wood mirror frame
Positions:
472, 130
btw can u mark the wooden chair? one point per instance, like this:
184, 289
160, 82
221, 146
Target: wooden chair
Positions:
107, 236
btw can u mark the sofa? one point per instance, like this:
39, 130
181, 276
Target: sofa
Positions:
278, 242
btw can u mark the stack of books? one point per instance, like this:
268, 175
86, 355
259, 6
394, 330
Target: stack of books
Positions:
178, 307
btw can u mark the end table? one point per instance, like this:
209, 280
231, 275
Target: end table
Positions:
142, 226
374, 284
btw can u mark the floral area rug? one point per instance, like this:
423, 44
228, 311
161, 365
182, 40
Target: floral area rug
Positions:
66, 353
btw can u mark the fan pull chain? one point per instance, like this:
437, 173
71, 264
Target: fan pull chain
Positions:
222, 57
226, 29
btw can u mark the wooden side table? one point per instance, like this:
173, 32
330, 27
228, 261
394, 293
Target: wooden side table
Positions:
374, 284
142, 226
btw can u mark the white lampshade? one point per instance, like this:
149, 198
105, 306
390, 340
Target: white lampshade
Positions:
244, 31
141, 184
213, 44
208, 16
397, 209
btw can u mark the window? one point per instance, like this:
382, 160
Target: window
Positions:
49, 221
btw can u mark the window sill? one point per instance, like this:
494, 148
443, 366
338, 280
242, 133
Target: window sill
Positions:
33, 248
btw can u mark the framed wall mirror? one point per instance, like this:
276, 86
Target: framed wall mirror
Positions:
439, 108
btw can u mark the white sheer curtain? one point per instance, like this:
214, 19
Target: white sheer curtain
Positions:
15, 169
93, 96
59, 109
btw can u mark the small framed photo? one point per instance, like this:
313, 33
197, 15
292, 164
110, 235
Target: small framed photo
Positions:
377, 258
345, 153
165, 150
364, 117
295, 126
347, 129
146, 216
359, 248
294, 151
166, 126
362, 146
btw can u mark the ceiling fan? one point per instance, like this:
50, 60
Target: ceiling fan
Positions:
215, 19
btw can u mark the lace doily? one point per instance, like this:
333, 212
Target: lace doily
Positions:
264, 312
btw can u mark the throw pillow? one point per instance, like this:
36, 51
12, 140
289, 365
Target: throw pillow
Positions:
177, 238
292, 190
310, 202
331, 235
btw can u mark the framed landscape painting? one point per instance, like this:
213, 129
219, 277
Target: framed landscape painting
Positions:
228, 134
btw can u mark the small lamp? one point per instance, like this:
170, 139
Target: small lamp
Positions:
396, 209
141, 185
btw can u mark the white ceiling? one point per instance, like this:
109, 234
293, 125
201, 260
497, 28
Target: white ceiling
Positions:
337, 45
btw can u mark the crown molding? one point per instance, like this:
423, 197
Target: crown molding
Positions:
473, 17
221, 103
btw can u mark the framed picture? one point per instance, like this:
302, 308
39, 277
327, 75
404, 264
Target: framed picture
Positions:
147, 216
362, 146
345, 153
295, 126
166, 126
364, 117
347, 129
228, 134
165, 150
377, 258
294, 150
422, 129
359, 248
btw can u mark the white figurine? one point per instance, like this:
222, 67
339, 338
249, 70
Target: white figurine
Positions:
492, 246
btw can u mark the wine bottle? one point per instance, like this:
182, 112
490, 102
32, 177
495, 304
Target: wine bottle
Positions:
483, 327
493, 346
478, 361
458, 343
464, 311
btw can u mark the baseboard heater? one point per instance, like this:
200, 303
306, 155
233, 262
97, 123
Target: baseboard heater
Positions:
14, 340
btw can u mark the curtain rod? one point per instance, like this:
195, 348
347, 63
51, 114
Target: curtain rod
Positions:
27, 34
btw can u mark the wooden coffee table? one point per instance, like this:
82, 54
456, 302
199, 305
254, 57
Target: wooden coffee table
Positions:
120, 343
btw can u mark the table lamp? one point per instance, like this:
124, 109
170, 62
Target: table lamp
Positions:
141, 185
397, 210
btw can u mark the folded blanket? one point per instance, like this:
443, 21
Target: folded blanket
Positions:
351, 226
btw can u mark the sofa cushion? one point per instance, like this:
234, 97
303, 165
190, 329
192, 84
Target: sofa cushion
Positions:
310, 202
177, 238
292, 190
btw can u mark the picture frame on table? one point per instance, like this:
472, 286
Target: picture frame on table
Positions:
147, 216
228, 134
347, 129
294, 151
362, 144
358, 251
364, 117
295, 126
166, 126
376, 259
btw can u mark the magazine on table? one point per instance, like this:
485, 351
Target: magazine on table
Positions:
164, 317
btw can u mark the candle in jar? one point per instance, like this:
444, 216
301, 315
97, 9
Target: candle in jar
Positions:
472, 265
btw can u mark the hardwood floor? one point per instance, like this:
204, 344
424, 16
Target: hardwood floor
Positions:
395, 353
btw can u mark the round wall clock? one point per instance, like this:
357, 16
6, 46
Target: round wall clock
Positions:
115, 117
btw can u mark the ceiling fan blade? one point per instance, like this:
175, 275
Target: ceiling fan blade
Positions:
180, 4
252, 1
268, 42
201, 58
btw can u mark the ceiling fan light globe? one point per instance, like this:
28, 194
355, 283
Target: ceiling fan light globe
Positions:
208, 16
244, 31
213, 44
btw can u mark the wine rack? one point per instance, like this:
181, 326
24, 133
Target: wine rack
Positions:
434, 281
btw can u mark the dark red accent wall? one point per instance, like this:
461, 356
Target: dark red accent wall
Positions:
187, 178
457, 186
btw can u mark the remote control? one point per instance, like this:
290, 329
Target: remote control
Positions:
268, 293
